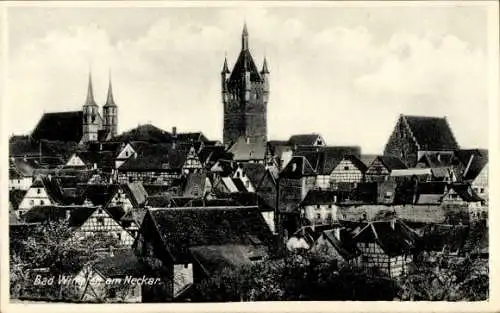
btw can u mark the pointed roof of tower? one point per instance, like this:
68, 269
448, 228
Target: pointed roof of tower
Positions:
245, 31
225, 68
110, 101
244, 63
265, 70
90, 93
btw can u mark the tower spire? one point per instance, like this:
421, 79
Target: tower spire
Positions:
110, 100
225, 68
244, 37
265, 70
90, 93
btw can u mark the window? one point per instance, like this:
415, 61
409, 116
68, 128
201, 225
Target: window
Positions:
41, 202
119, 236
99, 211
126, 154
318, 206
318, 216
32, 202
186, 265
100, 220
39, 191
346, 168
482, 190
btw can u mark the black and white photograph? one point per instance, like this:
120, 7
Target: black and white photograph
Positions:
229, 152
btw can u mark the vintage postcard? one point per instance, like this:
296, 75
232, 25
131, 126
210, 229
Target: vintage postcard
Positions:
272, 156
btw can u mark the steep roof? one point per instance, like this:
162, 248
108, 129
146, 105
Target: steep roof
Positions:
391, 162
298, 167
182, 228
431, 133
195, 185
77, 214
303, 139
156, 157
345, 246
367, 159
474, 160
243, 151
191, 137
15, 197
122, 263
60, 126
393, 236
211, 154
466, 192
315, 197
243, 63
134, 191
254, 172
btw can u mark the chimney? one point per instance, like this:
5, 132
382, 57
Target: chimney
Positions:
174, 131
111, 251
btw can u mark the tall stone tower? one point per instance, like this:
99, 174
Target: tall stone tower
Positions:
91, 116
110, 113
245, 93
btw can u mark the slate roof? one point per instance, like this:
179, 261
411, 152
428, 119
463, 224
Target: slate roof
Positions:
303, 139
393, 236
367, 159
224, 167
243, 63
98, 194
298, 167
60, 126
243, 151
315, 197
182, 228
123, 263
324, 159
431, 133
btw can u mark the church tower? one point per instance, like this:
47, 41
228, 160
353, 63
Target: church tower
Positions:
110, 113
91, 116
245, 93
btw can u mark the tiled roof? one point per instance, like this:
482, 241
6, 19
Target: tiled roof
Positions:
195, 185
99, 194
303, 139
367, 159
191, 137
211, 154
298, 167
346, 246
122, 263
156, 157
474, 160
77, 214
391, 162
183, 228
60, 126
243, 151
432, 133
393, 236
315, 197
215, 257
15, 197
466, 192
324, 159
134, 191
254, 171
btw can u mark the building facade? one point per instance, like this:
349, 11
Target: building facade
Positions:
245, 92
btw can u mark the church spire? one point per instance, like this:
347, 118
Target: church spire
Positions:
265, 70
244, 38
110, 101
225, 68
90, 93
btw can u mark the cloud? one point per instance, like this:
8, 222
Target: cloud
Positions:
341, 81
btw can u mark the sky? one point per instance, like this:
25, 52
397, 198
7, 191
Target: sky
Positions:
346, 73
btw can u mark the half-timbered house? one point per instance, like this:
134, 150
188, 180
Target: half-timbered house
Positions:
350, 170
168, 235
381, 168
192, 162
20, 177
387, 245
462, 195
319, 207
337, 245
39, 194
